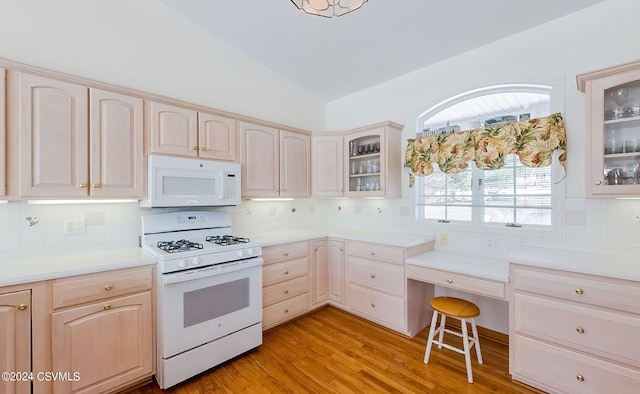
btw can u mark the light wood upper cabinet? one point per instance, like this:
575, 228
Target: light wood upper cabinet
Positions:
3, 134
67, 142
327, 165
15, 339
295, 164
116, 150
613, 130
174, 130
275, 163
217, 137
373, 162
51, 118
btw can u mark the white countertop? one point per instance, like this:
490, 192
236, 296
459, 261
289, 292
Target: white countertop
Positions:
35, 269
468, 264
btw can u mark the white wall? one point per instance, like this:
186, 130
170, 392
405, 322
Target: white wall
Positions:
144, 45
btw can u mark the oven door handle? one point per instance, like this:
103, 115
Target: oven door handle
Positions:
204, 272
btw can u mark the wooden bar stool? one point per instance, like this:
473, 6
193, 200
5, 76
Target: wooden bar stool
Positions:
463, 311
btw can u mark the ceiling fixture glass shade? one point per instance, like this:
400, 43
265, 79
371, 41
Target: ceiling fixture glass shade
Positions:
328, 8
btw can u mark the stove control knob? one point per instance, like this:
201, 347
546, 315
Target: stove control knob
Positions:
195, 261
239, 253
182, 263
249, 252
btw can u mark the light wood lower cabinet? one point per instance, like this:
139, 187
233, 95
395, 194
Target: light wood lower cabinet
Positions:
336, 272
285, 283
15, 341
102, 330
574, 333
320, 271
3, 134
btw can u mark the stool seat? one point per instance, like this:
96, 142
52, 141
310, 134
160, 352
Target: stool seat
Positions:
458, 309
455, 307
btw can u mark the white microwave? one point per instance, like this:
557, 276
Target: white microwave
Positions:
184, 182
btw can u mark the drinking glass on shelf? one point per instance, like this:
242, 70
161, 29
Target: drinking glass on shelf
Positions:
620, 96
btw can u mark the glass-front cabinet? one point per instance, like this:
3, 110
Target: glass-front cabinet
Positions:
373, 161
613, 130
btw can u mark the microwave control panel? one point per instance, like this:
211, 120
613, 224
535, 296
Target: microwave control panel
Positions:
230, 185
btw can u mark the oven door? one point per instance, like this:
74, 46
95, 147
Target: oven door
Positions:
200, 306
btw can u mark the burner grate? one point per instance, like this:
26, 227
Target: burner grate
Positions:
182, 245
224, 240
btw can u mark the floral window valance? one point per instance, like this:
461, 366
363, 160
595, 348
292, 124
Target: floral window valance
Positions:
534, 141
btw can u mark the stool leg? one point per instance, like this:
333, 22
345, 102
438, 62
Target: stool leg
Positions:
427, 352
476, 339
443, 324
467, 352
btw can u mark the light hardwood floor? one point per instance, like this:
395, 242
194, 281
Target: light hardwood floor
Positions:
331, 351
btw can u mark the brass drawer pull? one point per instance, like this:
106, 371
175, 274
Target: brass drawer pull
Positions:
22, 307
373, 305
579, 291
108, 287
96, 186
203, 149
449, 280
372, 253
286, 272
373, 276
286, 311
580, 330
194, 148
580, 378
286, 254
83, 185
107, 307
286, 292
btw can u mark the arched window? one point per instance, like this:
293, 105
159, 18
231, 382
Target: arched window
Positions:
514, 195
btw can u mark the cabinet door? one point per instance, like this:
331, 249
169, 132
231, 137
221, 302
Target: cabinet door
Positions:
217, 137
336, 271
295, 164
327, 165
260, 160
116, 150
15, 339
3, 135
53, 126
174, 130
365, 154
320, 271
108, 344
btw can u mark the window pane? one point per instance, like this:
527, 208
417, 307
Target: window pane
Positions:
446, 196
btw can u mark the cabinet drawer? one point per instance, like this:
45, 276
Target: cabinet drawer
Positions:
285, 290
275, 254
609, 293
559, 370
587, 329
275, 273
285, 310
477, 285
379, 276
94, 287
388, 254
388, 310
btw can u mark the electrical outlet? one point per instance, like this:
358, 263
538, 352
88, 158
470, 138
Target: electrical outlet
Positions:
74, 227
444, 239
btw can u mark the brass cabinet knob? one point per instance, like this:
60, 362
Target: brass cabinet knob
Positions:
373, 305
580, 378
203, 149
372, 253
286, 311
194, 148
107, 307
341, 249
579, 291
286, 254
108, 287
95, 186
373, 276
83, 185
286, 292
22, 307
598, 182
580, 330
449, 280
286, 272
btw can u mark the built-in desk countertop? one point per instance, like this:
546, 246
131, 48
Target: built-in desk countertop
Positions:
481, 266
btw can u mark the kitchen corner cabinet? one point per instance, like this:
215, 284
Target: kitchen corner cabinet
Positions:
275, 163
101, 329
613, 130
572, 332
67, 140
183, 132
327, 166
3, 134
285, 282
373, 161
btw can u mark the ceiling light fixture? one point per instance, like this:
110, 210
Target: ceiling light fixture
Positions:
328, 8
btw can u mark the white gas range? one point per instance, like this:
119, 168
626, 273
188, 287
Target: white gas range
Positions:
209, 291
